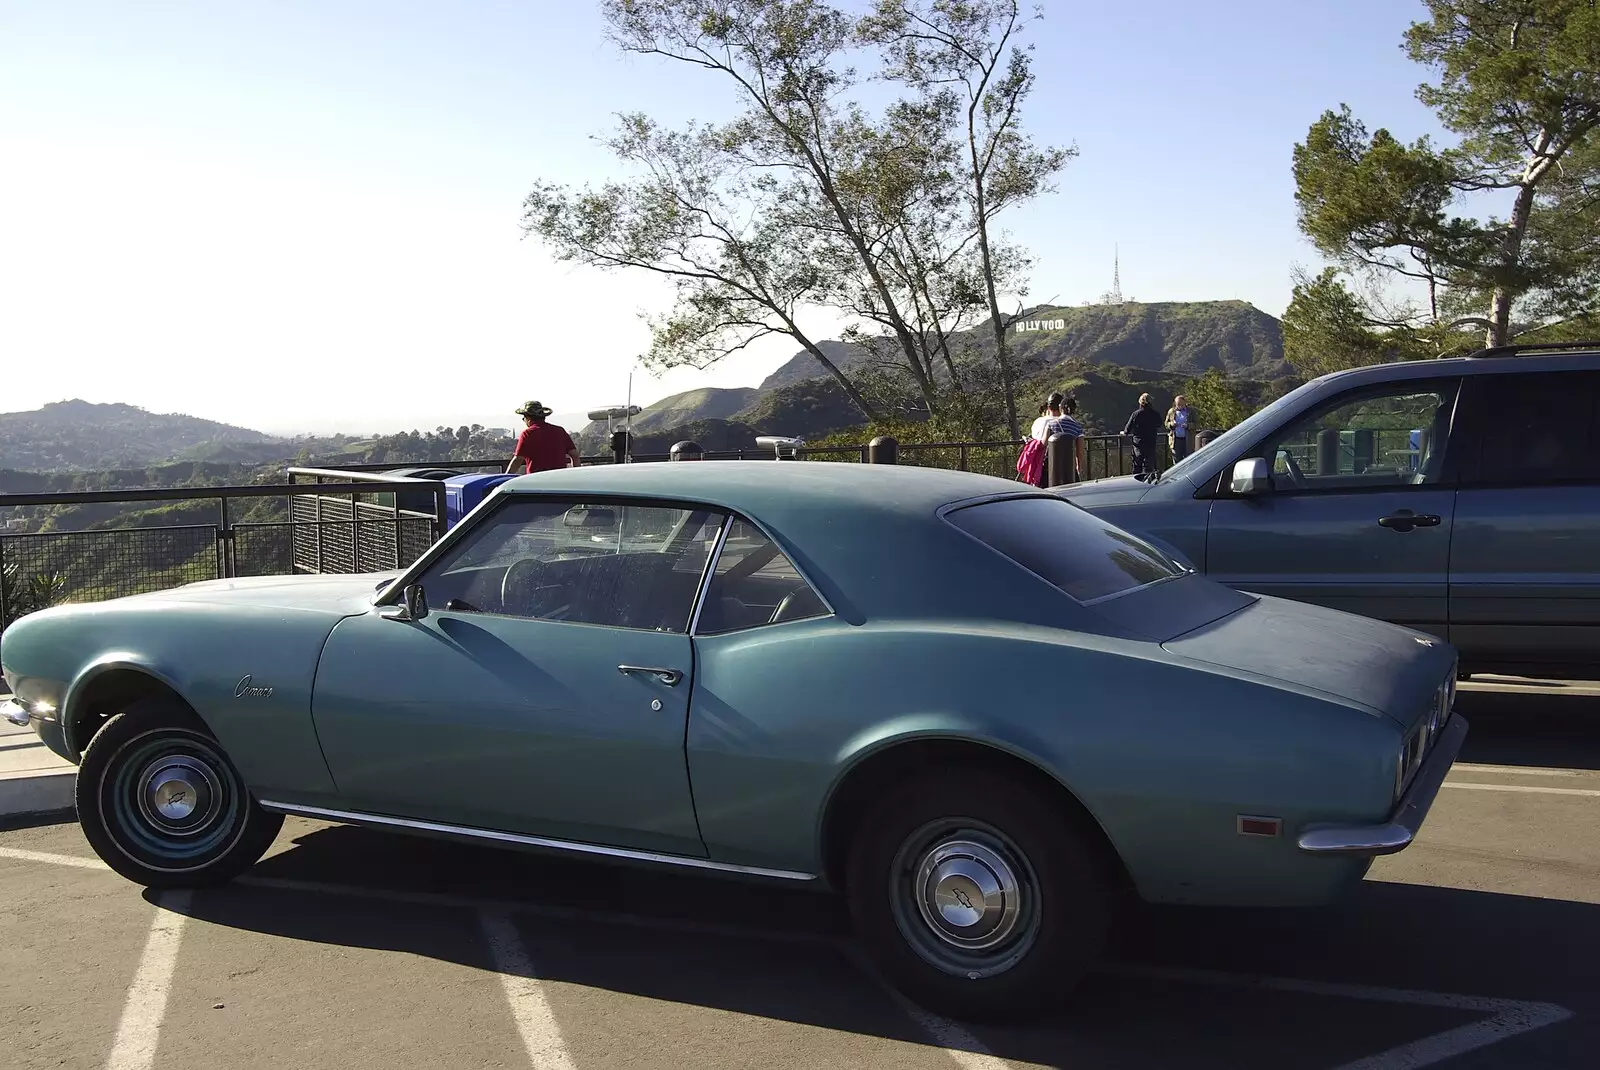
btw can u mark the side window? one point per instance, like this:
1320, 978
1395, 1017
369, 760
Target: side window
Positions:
755, 583
1392, 437
624, 566
1527, 430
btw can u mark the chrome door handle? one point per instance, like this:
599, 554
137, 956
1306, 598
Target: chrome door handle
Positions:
670, 677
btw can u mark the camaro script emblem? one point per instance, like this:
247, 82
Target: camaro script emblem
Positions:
247, 690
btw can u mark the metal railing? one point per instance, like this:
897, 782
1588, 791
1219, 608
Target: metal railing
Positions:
340, 518
1105, 455
96, 563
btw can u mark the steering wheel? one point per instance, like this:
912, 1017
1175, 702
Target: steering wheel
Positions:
1296, 476
516, 582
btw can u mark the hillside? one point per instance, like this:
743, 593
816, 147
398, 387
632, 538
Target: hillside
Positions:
1181, 337
1134, 347
79, 435
707, 403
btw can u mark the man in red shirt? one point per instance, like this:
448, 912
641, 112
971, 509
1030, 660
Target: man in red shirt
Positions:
542, 446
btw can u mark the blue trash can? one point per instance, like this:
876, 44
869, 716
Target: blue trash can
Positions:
463, 493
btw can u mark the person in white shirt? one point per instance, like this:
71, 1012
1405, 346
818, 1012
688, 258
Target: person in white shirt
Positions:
1041, 423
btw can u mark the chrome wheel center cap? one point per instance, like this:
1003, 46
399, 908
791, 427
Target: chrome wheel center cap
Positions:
968, 894
176, 793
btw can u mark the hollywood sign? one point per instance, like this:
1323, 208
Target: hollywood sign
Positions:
1042, 325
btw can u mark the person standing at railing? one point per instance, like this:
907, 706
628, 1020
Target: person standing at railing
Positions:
542, 446
1144, 427
1030, 462
1064, 421
1181, 425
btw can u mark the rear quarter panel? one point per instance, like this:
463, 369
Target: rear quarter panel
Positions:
203, 651
1164, 755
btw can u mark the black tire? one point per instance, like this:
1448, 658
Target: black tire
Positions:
1062, 908
139, 774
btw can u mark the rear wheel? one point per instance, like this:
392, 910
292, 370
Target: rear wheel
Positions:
981, 897
161, 803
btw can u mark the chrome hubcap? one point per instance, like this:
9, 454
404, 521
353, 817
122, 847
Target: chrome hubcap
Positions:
965, 898
178, 793
968, 894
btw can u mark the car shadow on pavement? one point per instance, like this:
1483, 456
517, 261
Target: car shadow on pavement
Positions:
594, 932
1515, 728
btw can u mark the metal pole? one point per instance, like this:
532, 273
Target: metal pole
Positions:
224, 537
316, 504
5, 614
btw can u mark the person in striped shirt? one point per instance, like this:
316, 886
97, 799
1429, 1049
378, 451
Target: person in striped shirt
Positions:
1063, 421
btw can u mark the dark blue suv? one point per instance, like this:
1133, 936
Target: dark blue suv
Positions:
1460, 497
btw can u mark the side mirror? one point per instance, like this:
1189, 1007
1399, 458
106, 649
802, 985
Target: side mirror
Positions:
416, 601
1251, 476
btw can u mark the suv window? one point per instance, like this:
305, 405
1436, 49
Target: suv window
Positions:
1528, 429
1072, 549
1391, 436
755, 583
625, 566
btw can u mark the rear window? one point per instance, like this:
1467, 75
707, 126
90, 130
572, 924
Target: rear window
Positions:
1072, 549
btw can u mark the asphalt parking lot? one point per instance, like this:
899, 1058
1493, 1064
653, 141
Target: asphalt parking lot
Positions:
347, 948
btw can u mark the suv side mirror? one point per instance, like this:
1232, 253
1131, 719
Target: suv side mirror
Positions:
1251, 476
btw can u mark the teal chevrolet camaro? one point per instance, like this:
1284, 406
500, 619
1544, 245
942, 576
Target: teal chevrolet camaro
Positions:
979, 712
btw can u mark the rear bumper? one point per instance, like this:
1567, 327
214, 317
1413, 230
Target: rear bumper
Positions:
1397, 833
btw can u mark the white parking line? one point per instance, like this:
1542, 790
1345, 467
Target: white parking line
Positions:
541, 1033
52, 859
1528, 789
146, 1003
1509, 1017
1516, 770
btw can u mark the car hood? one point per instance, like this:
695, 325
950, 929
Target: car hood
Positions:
346, 593
1388, 669
1115, 490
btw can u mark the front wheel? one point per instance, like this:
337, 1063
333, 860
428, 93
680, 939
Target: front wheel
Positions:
980, 897
163, 806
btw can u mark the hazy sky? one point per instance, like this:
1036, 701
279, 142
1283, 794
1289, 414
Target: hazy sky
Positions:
304, 215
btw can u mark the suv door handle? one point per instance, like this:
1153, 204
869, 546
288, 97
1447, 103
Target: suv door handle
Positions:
1405, 521
670, 677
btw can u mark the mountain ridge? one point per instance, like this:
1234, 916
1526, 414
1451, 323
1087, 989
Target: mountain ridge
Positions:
1163, 340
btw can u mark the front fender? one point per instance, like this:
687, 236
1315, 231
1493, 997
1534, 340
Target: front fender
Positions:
203, 652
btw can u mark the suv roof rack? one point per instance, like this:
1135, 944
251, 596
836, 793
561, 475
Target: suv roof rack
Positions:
1517, 349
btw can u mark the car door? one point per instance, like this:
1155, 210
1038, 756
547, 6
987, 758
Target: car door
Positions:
545, 691
1359, 511
1525, 560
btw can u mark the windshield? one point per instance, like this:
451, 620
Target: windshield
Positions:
1235, 436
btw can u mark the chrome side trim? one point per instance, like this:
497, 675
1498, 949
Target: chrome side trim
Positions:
1397, 833
709, 574
353, 817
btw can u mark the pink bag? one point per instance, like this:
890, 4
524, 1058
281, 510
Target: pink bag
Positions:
1030, 462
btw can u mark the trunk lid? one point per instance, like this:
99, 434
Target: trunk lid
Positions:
1391, 670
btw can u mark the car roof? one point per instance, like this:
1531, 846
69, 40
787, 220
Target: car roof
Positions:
866, 534
775, 492
1526, 363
